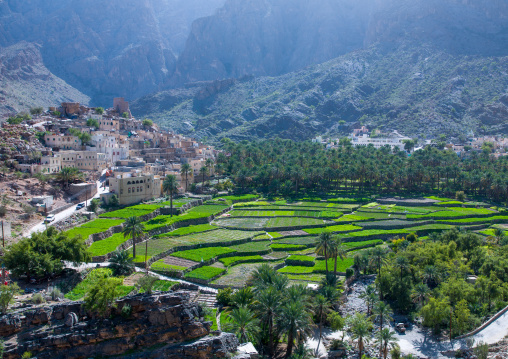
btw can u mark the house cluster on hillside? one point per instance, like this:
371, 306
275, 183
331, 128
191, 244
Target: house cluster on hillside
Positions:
135, 153
498, 145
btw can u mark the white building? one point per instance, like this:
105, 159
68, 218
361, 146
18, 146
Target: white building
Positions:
109, 145
394, 140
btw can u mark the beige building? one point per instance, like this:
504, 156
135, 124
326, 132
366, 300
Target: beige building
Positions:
109, 124
133, 188
84, 160
63, 142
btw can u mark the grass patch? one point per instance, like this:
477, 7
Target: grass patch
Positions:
236, 260
160, 266
236, 199
275, 234
202, 254
205, 273
308, 277
162, 285
333, 229
107, 245
287, 247
96, 226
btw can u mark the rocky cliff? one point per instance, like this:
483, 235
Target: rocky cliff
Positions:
163, 325
105, 49
25, 82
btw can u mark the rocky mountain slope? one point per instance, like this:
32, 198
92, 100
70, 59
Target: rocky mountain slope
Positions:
105, 49
417, 89
25, 82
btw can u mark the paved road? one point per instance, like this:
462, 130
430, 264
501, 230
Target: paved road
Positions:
39, 227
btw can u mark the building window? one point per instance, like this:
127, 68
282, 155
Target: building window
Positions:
129, 190
121, 190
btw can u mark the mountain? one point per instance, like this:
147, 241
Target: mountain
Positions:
25, 82
105, 48
271, 37
419, 90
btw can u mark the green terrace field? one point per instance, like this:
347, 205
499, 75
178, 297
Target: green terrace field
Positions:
189, 230
142, 209
202, 254
205, 273
237, 276
96, 226
498, 219
160, 245
160, 266
379, 215
285, 213
107, 245
277, 222
333, 229
228, 261
454, 212
193, 213
319, 267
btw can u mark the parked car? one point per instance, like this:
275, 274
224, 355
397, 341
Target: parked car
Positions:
49, 218
400, 327
79, 206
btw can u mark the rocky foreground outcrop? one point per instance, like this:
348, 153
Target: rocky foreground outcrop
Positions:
163, 325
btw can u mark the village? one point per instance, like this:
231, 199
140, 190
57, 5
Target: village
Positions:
103, 153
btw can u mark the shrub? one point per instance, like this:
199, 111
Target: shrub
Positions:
349, 273
101, 296
224, 296
55, 293
121, 264
126, 311
146, 284
38, 299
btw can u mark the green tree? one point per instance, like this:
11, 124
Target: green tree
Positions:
382, 312
7, 293
295, 322
125, 115
370, 297
359, 328
321, 309
121, 263
203, 171
94, 205
435, 313
101, 296
420, 294
147, 123
68, 174
267, 304
36, 111
385, 339
337, 251
133, 228
146, 283
99, 110
92, 122
461, 317
243, 323
170, 186
186, 170
43, 254
323, 247
85, 138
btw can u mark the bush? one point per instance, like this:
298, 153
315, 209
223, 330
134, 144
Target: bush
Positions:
126, 311
101, 296
56, 293
224, 296
349, 273
37, 299
3, 211
146, 284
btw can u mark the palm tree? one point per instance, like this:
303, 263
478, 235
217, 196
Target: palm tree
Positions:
499, 235
321, 309
202, 171
243, 322
420, 294
431, 276
133, 228
336, 251
170, 185
385, 338
359, 329
370, 297
121, 264
267, 304
68, 174
209, 165
403, 264
360, 262
378, 258
186, 170
296, 322
324, 245
382, 312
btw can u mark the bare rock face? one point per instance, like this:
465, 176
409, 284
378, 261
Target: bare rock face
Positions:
68, 331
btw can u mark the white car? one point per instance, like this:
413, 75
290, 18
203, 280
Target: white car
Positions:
49, 218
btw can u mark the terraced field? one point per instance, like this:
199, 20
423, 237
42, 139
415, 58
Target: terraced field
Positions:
254, 221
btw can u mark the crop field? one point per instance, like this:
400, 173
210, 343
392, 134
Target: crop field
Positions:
160, 245
307, 241
247, 223
238, 275
107, 245
189, 230
228, 261
205, 273
476, 220
285, 213
379, 215
202, 254
193, 213
96, 226
352, 245
454, 212
251, 247
281, 222
333, 229
160, 266
287, 247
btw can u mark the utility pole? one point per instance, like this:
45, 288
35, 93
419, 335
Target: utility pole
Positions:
3, 236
